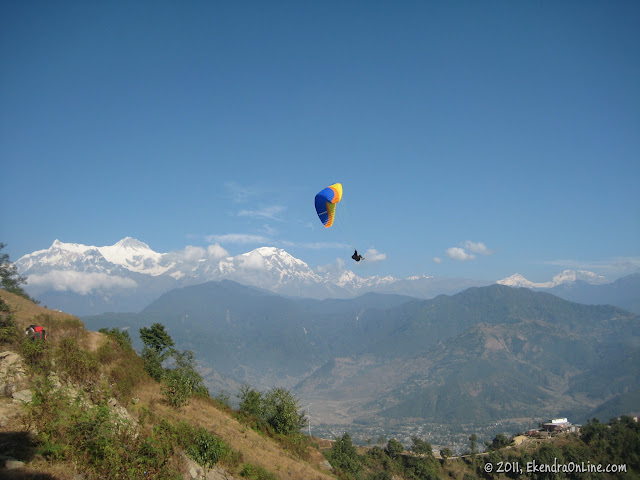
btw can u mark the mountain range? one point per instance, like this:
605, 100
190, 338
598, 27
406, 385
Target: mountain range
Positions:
128, 276
482, 355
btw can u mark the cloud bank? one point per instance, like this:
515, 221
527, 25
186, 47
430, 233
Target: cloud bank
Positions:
79, 282
611, 267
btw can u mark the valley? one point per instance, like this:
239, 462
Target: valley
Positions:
388, 365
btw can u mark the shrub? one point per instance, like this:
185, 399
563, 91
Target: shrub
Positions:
81, 365
281, 411
223, 400
251, 401
61, 328
36, 354
124, 377
394, 448
121, 337
256, 472
8, 329
421, 447
177, 388
344, 456
207, 449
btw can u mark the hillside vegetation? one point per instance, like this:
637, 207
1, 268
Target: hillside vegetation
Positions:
83, 403
82, 406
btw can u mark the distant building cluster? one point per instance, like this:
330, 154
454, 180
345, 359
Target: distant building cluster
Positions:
556, 425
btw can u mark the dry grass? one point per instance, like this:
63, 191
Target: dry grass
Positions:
58, 324
256, 448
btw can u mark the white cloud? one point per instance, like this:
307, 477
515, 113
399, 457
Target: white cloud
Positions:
252, 261
270, 213
192, 254
457, 253
373, 255
79, 282
336, 267
479, 248
269, 230
241, 238
611, 267
437, 260
314, 245
466, 251
216, 252
239, 193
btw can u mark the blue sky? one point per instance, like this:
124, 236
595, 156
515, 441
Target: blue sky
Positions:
473, 139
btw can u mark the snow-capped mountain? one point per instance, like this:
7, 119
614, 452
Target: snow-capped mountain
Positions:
128, 275
564, 278
128, 254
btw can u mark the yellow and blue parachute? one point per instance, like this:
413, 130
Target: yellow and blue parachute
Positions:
326, 201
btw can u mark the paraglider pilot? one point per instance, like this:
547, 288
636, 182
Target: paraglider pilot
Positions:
357, 257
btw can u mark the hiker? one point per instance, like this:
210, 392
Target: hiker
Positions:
37, 332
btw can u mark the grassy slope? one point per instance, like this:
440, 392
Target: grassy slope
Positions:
254, 447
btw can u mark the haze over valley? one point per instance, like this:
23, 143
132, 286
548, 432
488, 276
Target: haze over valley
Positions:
365, 358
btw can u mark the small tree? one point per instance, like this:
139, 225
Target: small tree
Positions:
344, 456
9, 278
206, 449
186, 367
421, 447
499, 441
446, 452
157, 348
8, 328
157, 339
394, 448
281, 411
473, 444
121, 337
177, 389
251, 401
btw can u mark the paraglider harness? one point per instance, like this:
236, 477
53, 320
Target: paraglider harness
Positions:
37, 332
357, 257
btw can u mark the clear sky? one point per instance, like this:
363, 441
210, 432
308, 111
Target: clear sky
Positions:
473, 139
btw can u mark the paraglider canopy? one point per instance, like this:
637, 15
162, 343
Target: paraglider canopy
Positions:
326, 201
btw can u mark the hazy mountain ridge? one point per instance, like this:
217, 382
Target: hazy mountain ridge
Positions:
453, 358
586, 287
526, 354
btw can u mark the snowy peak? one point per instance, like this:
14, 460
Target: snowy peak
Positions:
565, 278
128, 253
132, 243
277, 263
516, 280
279, 256
134, 255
